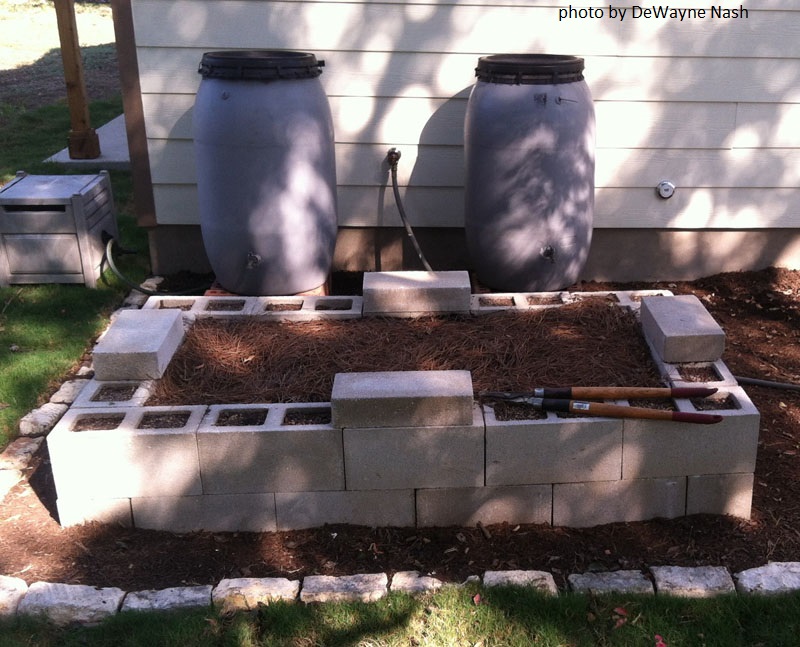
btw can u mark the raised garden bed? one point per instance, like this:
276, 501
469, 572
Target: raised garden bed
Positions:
271, 453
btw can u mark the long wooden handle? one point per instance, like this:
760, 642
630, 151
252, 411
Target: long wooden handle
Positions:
617, 411
636, 393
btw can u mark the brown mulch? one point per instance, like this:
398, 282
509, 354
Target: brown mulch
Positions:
249, 360
759, 313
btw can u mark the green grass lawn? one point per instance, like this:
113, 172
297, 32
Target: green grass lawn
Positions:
468, 617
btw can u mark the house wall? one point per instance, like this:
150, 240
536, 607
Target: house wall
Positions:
711, 104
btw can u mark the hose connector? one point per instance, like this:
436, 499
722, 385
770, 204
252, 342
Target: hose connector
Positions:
393, 157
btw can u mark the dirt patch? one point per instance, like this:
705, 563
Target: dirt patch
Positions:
757, 310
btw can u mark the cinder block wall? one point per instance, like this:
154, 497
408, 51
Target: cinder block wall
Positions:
394, 449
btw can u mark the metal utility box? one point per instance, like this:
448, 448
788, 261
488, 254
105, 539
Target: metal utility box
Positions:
52, 228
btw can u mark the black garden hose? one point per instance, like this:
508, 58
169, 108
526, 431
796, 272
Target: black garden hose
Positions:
393, 157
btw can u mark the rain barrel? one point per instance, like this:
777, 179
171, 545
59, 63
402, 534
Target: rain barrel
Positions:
266, 175
529, 139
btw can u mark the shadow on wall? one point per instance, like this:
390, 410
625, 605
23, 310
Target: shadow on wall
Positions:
397, 76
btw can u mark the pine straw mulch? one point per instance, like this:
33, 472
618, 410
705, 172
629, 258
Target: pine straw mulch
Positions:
760, 313
591, 342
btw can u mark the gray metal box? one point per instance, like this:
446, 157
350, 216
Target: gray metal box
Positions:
51, 228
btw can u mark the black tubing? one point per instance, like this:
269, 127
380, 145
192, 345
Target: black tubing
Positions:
109, 258
752, 381
393, 157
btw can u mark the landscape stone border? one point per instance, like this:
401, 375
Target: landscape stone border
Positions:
69, 604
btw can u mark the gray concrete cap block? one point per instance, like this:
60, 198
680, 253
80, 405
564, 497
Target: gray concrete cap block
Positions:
776, 577
347, 588
65, 604
402, 399
539, 580
138, 345
612, 582
178, 597
12, 590
680, 329
691, 581
248, 593
416, 292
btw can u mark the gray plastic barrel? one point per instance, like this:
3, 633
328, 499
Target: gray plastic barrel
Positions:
529, 145
266, 175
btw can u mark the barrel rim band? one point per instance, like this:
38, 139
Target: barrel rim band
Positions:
264, 65
530, 69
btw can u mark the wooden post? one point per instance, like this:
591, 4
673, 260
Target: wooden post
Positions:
83, 140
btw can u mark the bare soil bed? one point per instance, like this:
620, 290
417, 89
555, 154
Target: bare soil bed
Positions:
757, 310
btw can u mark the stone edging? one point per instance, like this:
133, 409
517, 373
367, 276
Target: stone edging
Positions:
66, 604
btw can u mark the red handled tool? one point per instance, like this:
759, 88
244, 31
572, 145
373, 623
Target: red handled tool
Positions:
563, 400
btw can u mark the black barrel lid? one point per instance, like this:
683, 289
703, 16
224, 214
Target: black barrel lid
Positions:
259, 64
529, 69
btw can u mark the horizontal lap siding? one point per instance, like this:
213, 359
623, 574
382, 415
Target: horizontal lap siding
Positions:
710, 105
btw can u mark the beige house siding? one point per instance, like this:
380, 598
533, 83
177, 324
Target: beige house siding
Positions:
710, 104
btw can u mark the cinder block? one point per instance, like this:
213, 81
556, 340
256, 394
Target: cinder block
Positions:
297, 510
416, 293
581, 505
270, 456
655, 448
192, 307
719, 374
112, 452
138, 345
487, 505
680, 329
79, 510
212, 513
123, 393
552, 450
730, 494
402, 399
309, 308
392, 458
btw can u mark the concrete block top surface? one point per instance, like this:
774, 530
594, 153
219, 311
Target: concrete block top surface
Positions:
681, 329
416, 280
417, 292
139, 331
401, 384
